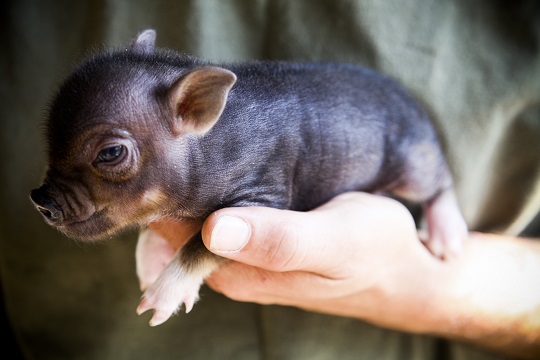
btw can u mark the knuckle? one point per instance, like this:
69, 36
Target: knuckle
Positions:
281, 252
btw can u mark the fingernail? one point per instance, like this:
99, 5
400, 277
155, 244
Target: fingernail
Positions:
229, 235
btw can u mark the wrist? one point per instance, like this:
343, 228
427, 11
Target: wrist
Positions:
420, 299
488, 296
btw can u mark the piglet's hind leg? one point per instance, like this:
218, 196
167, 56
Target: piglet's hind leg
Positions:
446, 227
179, 282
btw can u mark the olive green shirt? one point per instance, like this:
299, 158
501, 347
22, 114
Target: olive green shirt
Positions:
474, 64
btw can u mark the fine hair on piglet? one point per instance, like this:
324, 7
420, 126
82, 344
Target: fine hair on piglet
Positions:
142, 134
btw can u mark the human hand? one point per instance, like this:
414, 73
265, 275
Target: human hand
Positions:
358, 255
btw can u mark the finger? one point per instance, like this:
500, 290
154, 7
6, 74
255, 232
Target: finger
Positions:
242, 282
283, 240
272, 239
303, 290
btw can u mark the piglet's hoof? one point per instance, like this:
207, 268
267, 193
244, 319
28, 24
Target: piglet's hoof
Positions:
161, 314
173, 288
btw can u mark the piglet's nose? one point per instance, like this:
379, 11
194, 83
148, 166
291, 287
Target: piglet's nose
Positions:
46, 205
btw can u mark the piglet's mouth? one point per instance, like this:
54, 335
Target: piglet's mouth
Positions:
95, 227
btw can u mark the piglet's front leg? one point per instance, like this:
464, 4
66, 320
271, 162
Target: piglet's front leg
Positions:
157, 245
180, 281
152, 255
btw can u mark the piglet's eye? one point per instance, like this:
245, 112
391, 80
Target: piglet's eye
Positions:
111, 154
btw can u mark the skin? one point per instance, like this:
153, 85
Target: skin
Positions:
488, 296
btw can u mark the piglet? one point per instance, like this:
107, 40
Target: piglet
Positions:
143, 135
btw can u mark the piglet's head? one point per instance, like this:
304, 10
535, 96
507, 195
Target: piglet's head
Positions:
117, 135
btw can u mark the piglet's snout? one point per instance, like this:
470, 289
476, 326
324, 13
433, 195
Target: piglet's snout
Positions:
47, 206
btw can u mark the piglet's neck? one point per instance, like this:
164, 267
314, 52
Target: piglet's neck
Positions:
205, 179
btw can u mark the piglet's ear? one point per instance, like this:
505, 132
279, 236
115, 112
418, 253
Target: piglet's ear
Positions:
198, 99
144, 42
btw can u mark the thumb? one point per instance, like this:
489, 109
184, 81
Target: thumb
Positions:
272, 239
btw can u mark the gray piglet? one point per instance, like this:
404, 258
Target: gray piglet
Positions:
141, 135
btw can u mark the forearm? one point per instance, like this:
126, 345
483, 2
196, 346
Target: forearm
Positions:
489, 296
493, 295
